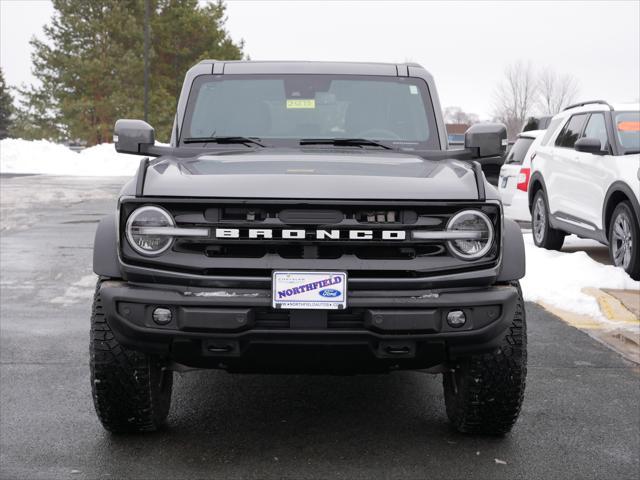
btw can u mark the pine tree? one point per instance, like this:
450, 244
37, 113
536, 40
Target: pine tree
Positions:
182, 33
90, 69
6, 107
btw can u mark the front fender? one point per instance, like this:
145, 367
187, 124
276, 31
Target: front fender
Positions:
105, 249
513, 256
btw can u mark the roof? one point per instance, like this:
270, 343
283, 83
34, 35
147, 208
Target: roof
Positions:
306, 67
626, 106
531, 134
600, 105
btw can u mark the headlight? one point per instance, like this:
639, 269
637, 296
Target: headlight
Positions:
140, 230
480, 232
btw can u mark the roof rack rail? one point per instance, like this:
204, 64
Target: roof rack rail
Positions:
588, 102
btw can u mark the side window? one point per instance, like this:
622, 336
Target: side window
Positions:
596, 128
571, 131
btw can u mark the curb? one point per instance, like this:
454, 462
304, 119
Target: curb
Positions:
622, 339
612, 308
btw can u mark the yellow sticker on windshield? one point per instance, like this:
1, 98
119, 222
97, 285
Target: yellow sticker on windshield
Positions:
301, 103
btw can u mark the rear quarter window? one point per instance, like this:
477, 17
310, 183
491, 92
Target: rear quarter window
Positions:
518, 151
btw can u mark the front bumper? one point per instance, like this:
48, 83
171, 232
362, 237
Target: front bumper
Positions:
239, 331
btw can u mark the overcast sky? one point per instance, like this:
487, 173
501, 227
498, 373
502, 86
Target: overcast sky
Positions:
465, 45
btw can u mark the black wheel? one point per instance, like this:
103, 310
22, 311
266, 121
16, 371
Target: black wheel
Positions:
624, 240
544, 235
131, 390
484, 393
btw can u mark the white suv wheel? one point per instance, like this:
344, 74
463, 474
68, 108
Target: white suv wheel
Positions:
539, 219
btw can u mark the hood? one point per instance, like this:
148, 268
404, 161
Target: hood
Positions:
317, 174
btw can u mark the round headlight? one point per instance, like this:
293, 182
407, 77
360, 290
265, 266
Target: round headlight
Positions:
140, 227
477, 227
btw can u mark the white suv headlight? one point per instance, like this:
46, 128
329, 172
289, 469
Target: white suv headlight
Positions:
480, 230
146, 229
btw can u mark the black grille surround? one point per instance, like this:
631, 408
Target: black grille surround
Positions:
250, 261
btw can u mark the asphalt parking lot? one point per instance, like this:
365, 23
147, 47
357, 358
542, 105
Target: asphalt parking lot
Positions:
581, 416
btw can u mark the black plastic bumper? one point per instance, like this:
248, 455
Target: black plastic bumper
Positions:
238, 330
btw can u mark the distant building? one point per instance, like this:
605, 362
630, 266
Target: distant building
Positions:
455, 133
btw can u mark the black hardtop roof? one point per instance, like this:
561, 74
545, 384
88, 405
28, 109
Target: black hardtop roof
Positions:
319, 67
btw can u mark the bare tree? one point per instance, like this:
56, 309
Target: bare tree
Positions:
515, 96
459, 116
555, 91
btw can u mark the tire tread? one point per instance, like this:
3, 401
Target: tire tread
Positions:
122, 380
489, 395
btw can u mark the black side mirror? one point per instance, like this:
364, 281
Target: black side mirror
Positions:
588, 145
132, 136
486, 139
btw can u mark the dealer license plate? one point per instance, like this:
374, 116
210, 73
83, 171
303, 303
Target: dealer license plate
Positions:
310, 290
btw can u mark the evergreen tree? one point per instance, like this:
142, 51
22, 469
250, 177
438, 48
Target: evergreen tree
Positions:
90, 69
6, 107
182, 33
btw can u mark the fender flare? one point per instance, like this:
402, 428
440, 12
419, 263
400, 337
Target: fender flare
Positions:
105, 249
615, 188
536, 177
513, 254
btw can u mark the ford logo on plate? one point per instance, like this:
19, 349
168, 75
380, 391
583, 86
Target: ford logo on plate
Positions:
329, 293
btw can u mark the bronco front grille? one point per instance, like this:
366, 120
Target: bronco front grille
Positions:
256, 238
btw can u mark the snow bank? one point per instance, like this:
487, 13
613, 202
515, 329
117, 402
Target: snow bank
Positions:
557, 278
43, 157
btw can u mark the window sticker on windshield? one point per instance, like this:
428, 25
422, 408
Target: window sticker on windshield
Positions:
413, 89
301, 103
629, 126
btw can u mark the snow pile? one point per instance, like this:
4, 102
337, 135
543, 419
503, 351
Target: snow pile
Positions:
43, 157
557, 278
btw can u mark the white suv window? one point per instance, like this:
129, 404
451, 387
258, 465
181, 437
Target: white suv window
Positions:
627, 125
518, 151
571, 131
596, 128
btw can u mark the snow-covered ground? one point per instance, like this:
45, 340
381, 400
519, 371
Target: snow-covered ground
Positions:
554, 278
40, 156
557, 278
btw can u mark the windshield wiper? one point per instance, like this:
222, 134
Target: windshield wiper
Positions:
224, 140
631, 152
344, 142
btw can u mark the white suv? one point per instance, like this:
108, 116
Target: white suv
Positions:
514, 175
585, 179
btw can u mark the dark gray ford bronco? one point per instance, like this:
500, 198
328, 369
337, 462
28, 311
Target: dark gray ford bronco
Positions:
308, 217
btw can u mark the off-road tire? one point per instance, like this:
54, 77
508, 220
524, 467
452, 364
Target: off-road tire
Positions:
131, 390
484, 393
548, 237
633, 230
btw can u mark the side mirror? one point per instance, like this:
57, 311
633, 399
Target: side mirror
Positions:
131, 136
486, 139
588, 145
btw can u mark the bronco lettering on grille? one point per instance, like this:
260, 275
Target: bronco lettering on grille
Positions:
302, 234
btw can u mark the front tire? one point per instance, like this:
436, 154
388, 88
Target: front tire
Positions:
131, 390
624, 240
544, 235
484, 393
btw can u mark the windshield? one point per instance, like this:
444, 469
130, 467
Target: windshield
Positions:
628, 130
519, 150
284, 109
